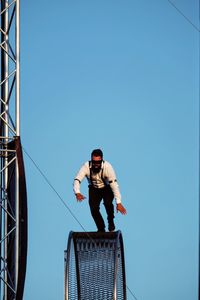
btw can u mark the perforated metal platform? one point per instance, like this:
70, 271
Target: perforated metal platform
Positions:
94, 266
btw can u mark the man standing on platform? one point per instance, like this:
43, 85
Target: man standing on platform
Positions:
102, 185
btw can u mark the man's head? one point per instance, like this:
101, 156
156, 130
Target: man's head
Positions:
96, 157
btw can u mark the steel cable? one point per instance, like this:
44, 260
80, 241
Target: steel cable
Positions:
64, 203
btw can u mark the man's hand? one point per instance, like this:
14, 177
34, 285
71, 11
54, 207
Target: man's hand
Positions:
79, 197
121, 209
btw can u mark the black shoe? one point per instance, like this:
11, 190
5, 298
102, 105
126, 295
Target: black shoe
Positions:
111, 227
101, 230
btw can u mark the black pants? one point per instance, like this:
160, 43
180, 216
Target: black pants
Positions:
95, 197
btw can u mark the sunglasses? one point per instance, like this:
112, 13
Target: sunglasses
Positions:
96, 162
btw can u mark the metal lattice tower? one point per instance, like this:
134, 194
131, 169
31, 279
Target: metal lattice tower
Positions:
13, 205
94, 266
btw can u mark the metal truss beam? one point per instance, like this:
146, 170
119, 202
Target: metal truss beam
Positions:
9, 133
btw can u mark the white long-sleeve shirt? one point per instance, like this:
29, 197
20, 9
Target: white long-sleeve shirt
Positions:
105, 175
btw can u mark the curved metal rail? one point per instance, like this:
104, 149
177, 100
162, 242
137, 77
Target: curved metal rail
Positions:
94, 266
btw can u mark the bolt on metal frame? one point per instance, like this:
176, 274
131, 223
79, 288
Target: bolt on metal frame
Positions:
9, 130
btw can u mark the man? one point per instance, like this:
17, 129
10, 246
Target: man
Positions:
102, 185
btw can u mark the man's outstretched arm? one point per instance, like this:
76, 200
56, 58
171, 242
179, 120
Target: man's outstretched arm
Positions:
115, 188
77, 183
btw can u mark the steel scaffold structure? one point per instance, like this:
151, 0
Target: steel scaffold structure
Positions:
13, 210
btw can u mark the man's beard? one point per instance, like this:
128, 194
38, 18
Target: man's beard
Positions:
96, 170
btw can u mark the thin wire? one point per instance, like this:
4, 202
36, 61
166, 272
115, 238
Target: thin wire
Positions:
184, 15
64, 203
199, 121
52, 187
131, 293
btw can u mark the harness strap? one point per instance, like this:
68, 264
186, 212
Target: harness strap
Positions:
102, 177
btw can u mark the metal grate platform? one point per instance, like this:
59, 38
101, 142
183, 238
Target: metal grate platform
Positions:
94, 266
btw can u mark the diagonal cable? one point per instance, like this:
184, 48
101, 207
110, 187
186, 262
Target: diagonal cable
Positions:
64, 203
52, 187
180, 12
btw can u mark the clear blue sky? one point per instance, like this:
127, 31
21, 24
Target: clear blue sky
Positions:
123, 76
